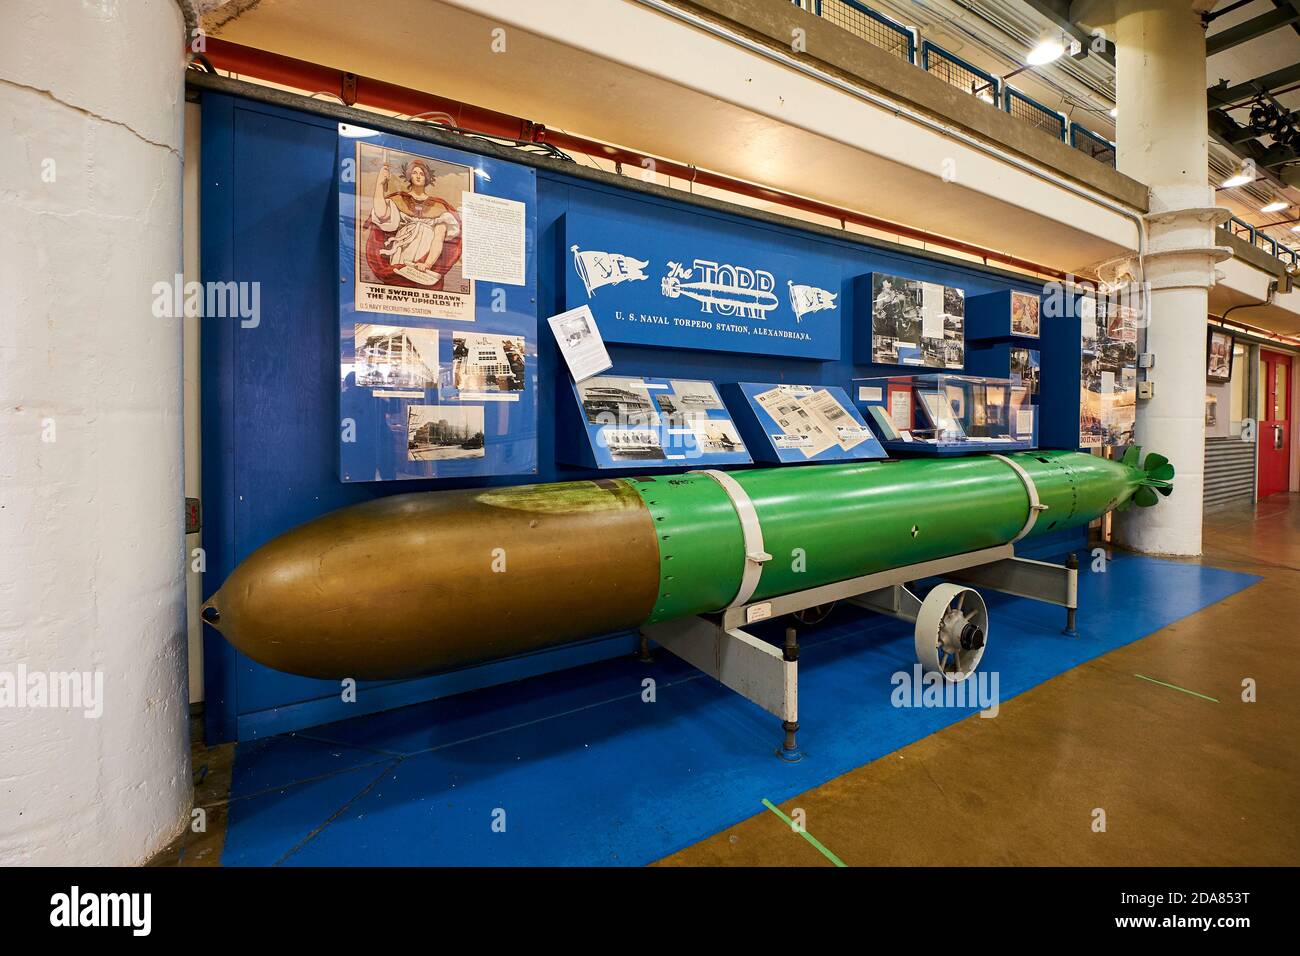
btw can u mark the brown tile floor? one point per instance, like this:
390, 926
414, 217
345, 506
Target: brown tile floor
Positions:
1182, 780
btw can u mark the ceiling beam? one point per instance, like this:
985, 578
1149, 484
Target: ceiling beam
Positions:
1248, 30
1225, 95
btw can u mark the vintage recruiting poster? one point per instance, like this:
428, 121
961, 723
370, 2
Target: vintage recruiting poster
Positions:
409, 237
437, 311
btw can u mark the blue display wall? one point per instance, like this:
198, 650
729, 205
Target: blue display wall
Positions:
270, 409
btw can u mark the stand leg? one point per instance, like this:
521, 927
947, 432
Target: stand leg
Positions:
790, 748
643, 651
1072, 566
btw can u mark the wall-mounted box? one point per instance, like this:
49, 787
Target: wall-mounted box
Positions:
1005, 315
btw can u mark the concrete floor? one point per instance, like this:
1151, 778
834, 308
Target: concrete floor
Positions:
1181, 779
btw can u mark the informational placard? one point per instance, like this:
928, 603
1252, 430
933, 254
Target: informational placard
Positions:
494, 238
799, 423
437, 315
915, 322
580, 343
693, 281
641, 422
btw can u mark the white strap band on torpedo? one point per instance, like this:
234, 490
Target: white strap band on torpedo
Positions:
1035, 506
751, 530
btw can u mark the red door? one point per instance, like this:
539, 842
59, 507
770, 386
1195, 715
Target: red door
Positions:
1275, 424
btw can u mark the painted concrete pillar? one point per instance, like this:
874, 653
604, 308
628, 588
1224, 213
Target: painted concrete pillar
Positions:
94, 748
1163, 141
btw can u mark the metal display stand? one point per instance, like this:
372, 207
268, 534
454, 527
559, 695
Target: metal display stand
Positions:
769, 676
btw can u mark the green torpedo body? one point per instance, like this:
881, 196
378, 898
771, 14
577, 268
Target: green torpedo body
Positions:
421, 583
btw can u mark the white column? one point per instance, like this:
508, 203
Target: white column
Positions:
91, 526
1163, 141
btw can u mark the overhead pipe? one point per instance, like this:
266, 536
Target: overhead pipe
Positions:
353, 89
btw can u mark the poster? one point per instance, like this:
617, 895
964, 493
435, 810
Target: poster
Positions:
409, 238
1108, 382
1025, 318
437, 367
917, 323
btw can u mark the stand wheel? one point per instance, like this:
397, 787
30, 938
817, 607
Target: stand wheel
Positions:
951, 630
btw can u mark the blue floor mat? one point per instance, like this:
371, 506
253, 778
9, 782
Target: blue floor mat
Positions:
574, 768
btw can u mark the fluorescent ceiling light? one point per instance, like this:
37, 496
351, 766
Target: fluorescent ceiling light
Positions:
1048, 49
1114, 111
1276, 206
1240, 179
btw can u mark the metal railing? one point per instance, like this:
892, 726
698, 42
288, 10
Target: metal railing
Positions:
1253, 235
901, 41
865, 23
1098, 147
955, 71
1034, 113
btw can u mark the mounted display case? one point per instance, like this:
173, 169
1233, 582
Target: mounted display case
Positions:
942, 414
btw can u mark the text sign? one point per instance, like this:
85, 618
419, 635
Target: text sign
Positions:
690, 281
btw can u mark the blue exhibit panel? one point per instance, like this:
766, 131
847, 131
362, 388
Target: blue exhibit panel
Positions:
271, 393
1062, 368
789, 424
1004, 315
676, 278
438, 370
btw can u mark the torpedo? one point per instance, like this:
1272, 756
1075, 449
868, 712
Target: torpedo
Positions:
423, 583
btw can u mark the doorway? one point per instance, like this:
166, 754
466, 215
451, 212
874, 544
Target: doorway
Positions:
1275, 424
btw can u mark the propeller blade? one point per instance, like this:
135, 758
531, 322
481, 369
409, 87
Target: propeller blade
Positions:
1132, 455
1145, 497
1153, 462
1166, 490
1163, 473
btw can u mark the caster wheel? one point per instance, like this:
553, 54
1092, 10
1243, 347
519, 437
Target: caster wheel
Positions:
951, 631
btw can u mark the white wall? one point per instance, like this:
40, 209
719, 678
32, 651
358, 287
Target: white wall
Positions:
91, 562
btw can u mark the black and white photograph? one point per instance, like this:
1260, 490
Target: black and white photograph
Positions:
612, 400
487, 366
632, 444
1025, 369
395, 356
716, 435
917, 323
895, 313
695, 394
674, 415
444, 432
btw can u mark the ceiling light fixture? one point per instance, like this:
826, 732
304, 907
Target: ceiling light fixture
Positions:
1238, 179
1275, 206
1049, 48
1114, 111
